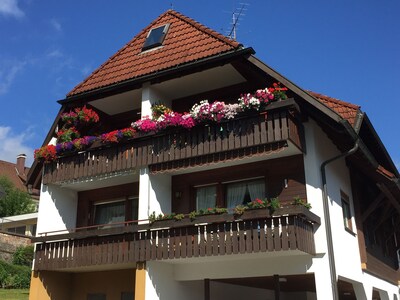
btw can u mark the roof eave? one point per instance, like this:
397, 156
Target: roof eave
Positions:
296, 89
375, 135
219, 58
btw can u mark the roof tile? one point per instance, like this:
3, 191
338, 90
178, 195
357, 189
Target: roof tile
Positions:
186, 41
346, 110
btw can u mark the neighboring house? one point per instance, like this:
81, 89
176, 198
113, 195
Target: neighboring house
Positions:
20, 224
310, 147
17, 173
15, 229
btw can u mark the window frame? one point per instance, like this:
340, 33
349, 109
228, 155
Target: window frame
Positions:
149, 44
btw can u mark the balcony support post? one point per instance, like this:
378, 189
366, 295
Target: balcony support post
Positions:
277, 287
207, 295
140, 281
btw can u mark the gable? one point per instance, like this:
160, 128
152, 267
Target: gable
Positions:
186, 41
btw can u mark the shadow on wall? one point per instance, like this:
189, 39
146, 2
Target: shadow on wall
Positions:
51, 285
161, 185
65, 203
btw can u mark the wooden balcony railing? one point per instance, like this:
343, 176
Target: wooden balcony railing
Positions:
255, 231
245, 136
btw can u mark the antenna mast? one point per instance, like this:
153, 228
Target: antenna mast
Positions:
235, 19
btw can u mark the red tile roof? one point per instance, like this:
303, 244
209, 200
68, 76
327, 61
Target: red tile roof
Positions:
9, 170
186, 41
346, 110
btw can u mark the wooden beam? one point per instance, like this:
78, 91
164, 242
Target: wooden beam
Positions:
372, 206
390, 196
384, 215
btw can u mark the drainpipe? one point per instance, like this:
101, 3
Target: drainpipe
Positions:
325, 201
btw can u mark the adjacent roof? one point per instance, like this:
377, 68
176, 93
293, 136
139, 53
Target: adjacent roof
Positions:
9, 170
186, 41
346, 110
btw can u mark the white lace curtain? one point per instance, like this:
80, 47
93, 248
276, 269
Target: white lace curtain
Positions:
236, 192
206, 197
256, 190
110, 213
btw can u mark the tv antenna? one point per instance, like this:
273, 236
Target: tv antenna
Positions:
237, 15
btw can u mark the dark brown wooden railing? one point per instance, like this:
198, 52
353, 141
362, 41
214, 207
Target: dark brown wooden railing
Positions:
245, 136
213, 235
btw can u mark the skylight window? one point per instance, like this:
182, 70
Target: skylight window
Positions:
155, 37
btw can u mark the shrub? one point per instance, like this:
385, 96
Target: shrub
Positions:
13, 276
23, 256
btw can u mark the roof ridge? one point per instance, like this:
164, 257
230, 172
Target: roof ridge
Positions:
204, 28
328, 98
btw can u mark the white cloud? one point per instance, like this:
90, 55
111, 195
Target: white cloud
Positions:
56, 24
55, 54
12, 144
10, 8
8, 73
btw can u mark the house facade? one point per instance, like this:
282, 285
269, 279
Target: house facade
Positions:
276, 193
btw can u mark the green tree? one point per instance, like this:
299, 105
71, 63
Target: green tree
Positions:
12, 200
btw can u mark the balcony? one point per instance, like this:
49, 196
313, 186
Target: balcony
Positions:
256, 231
253, 134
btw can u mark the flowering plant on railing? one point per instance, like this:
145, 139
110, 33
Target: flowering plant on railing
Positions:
268, 204
159, 109
192, 215
116, 136
47, 153
278, 91
50, 152
67, 134
82, 115
76, 144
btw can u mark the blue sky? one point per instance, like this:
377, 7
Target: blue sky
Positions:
349, 50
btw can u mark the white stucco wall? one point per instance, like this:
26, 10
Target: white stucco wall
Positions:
161, 285
345, 244
57, 209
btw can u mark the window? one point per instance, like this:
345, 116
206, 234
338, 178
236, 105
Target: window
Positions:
229, 194
117, 211
155, 37
108, 213
17, 230
346, 211
206, 197
244, 191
